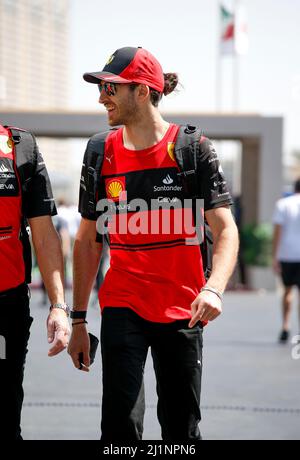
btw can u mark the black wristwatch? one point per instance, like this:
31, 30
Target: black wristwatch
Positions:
78, 314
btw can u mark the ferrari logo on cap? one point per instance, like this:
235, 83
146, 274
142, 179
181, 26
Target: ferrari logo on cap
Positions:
110, 59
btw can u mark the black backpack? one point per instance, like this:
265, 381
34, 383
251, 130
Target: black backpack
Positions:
186, 152
26, 160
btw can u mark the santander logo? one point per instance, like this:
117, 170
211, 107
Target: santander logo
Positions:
168, 180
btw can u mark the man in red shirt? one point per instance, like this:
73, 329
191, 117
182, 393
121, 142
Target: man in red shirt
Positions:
154, 294
36, 205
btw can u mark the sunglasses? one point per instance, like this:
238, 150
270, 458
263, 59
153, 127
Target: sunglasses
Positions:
109, 88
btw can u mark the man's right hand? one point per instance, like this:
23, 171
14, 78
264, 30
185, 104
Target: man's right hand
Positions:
80, 343
58, 331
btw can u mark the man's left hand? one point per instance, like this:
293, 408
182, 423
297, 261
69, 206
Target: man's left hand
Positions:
58, 331
206, 307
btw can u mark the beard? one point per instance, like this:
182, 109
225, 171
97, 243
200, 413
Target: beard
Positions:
127, 112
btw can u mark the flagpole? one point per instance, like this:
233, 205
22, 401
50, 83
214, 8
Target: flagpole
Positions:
236, 63
219, 67
235, 82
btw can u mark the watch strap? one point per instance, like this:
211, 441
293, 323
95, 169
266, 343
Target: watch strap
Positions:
78, 314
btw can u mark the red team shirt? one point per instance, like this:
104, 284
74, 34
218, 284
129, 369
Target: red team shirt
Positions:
12, 268
39, 202
153, 272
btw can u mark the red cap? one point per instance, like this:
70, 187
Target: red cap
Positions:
130, 65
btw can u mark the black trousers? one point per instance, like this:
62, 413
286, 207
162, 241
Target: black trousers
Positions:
15, 322
177, 357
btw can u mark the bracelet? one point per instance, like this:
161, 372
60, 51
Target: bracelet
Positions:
78, 314
81, 322
213, 290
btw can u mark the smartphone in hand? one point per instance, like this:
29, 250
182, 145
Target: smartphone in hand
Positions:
94, 341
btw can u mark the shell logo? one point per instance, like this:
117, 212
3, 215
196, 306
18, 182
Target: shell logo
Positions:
6, 145
114, 187
171, 147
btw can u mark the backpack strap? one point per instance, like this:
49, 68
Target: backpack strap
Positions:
26, 159
186, 152
93, 163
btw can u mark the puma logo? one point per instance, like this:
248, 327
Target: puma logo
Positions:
109, 158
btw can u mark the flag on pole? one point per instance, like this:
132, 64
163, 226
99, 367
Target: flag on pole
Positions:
227, 31
234, 34
241, 41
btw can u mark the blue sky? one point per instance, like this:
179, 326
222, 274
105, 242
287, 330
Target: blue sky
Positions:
184, 38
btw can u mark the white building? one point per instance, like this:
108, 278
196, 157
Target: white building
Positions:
34, 71
34, 53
